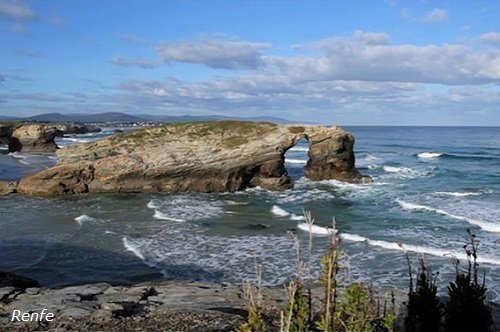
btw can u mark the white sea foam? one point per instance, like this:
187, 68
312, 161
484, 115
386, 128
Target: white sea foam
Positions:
84, 218
429, 155
457, 194
299, 148
132, 248
153, 204
487, 226
394, 169
315, 229
162, 216
297, 217
17, 155
295, 161
75, 140
368, 160
416, 248
186, 207
276, 210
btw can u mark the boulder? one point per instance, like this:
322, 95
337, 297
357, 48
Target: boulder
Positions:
216, 156
34, 138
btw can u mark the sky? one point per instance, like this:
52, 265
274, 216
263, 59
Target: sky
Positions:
378, 62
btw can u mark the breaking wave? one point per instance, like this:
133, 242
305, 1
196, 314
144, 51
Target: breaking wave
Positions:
487, 226
416, 248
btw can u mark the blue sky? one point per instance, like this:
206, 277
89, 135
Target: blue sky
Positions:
379, 62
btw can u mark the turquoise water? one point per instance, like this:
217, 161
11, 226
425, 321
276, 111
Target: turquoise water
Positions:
430, 186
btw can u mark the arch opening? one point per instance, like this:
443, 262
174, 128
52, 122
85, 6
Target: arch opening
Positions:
296, 159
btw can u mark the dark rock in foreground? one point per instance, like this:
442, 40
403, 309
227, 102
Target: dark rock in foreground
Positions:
164, 306
202, 157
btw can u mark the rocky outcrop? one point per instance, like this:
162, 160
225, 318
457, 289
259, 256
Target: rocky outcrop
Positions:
7, 187
331, 156
6, 130
161, 306
34, 138
76, 129
204, 157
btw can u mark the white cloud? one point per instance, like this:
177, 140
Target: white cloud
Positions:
16, 9
491, 37
142, 63
348, 59
436, 15
372, 38
215, 53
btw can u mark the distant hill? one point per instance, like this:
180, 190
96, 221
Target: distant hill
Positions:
125, 118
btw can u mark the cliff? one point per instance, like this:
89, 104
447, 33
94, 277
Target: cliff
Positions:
204, 157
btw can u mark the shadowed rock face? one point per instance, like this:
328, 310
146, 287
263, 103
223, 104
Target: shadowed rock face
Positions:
204, 157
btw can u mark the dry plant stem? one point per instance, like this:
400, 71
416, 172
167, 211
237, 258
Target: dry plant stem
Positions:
331, 280
310, 222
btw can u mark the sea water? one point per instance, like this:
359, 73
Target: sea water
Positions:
431, 185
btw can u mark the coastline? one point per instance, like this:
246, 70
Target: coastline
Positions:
149, 306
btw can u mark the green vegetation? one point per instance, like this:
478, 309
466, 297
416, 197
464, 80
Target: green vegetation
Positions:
424, 309
231, 133
357, 308
467, 308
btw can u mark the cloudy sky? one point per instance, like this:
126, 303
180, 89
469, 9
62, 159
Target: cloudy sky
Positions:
419, 62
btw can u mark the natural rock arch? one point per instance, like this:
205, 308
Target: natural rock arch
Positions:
205, 157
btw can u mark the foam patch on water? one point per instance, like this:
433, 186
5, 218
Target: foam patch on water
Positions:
186, 207
368, 161
277, 211
429, 155
84, 218
487, 226
299, 149
297, 217
194, 256
162, 216
416, 248
132, 248
303, 193
295, 161
458, 194
315, 229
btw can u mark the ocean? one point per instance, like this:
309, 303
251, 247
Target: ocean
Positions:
431, 184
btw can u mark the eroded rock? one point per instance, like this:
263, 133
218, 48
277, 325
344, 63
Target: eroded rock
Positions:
34, 138
214, 156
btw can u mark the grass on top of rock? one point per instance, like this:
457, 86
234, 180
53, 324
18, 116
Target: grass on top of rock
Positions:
233, 133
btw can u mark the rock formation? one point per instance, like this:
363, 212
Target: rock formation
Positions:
34, 138
204, 157
73, 128
7, 187
6, 130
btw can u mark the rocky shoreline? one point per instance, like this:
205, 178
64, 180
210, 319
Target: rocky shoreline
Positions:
150, 306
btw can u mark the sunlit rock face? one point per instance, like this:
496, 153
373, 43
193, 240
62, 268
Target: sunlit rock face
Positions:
216, 156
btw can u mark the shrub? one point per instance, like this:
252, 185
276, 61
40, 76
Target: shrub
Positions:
424, 309
467, 308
